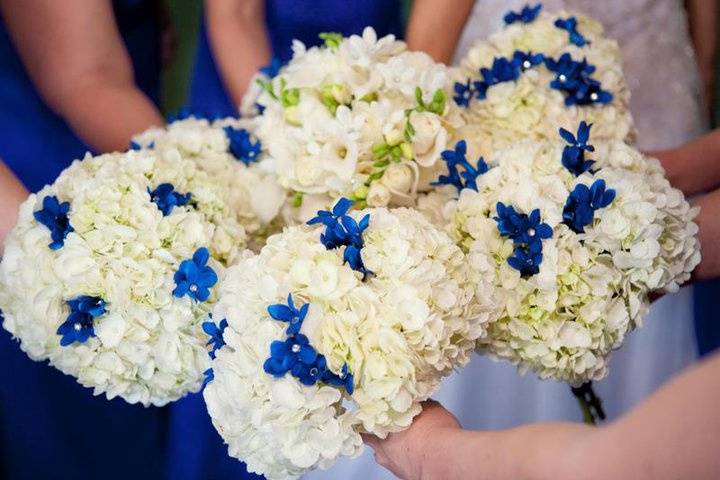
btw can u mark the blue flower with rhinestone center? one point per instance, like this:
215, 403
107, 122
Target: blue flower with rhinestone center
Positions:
242, 146
194, 277
79, 326
573, 156
527, 233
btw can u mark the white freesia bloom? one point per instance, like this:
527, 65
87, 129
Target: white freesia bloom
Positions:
148, 347
592, 287
398, 331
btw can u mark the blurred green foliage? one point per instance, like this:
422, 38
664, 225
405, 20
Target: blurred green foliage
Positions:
186, 17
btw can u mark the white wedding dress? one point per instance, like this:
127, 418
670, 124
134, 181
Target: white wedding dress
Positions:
666, 103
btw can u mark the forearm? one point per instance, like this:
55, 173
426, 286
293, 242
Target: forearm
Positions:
672, 435
543, 451
435, 27
695, 167
709, 234
12, 194
702, 16
115, 113
239, 42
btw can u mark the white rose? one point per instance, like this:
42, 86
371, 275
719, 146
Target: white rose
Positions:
400, 179
378, 195
430, 138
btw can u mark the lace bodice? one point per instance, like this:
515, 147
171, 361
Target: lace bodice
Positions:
659, 61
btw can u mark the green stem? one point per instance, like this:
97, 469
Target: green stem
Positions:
590, 403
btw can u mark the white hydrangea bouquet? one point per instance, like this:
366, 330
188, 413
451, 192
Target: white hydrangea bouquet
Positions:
338, 327
360, 117
568, 247
111, 270
542, 71
228, 150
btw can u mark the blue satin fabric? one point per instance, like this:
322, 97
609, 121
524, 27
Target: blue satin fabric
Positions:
50, 426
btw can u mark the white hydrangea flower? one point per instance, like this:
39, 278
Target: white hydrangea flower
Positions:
397, 332
592, 286
528, 108
148, 346
361, 117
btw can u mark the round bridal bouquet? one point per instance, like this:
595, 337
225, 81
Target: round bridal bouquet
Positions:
337, 327
541, 72
360, 117
572, 237
111, 270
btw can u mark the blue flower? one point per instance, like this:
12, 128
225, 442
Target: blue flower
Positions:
54, 215
527, 60
216, 335
579, 210
273, 68
526, 15
334, 235
194, 278
570, 25
527, 259
209, 376
342, 230
166, 198
135, 145
573, 156
293, 316
343, 379
457, 158
242, 146
502, 70
521, 228
285, 355
574, 79
310, 374
79, 324
260, 108
463, 93
527, 233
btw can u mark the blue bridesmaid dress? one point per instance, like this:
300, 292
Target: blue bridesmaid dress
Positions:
287, 20
50, 426
196, 450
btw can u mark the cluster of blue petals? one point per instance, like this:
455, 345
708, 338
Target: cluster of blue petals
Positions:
242, 146
527, 233
573, 156
502, 70
342, 230
570, 25
166, 198
528, 14
54, 215
79, 325
456, 159
296, 356
583, 201
194, 277
575, 80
